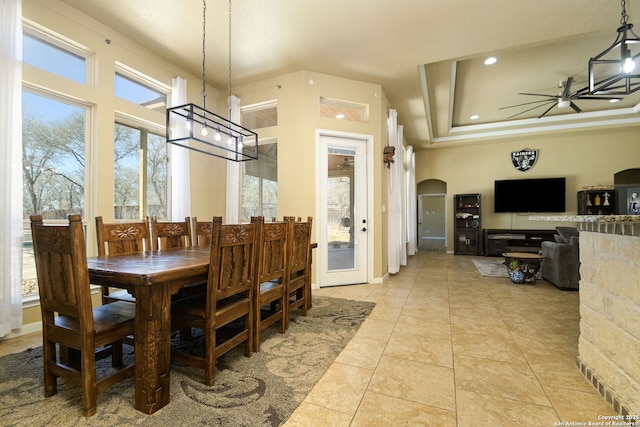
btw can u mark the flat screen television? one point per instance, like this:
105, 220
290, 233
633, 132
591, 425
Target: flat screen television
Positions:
530, 195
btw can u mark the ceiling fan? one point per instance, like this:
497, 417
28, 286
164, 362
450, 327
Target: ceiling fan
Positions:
563, 99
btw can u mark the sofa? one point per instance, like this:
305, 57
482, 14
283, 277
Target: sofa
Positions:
561, 259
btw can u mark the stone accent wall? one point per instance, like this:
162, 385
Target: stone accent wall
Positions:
609, 344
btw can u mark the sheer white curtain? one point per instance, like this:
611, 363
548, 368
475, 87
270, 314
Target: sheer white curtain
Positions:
401, 176
11, 166
233, 170
180, 170
395, 188
412, 209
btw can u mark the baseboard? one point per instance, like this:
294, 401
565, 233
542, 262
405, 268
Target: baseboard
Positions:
24, 330
603, 389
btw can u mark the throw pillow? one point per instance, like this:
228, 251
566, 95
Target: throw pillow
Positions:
566, 233
558, 238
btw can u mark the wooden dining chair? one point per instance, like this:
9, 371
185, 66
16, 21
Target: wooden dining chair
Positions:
68, 318
298, 265
171, 234
270, 294
201, 232
118, 239
226, 314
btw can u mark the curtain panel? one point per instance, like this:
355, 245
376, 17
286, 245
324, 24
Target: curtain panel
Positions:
179, 162
233, 170
412, 209
11, 232
395, 188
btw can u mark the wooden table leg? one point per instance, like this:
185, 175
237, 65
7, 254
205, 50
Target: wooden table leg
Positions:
152, 347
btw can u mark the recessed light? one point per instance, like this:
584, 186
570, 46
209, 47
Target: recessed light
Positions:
474, 117
614, 100
340, 116
490, 60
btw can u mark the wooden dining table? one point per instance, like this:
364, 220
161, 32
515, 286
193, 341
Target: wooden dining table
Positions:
152, 277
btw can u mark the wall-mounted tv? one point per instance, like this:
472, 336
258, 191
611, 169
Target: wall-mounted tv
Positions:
530, 195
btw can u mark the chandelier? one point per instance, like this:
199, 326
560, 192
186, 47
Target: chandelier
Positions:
194, 127
615, 71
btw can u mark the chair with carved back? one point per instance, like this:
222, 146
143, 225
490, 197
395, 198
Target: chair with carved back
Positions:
201, 232
298, 265
70, 325
270, 294
226, 314
119, 239
171, 234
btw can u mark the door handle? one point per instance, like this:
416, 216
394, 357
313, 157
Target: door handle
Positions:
363, 229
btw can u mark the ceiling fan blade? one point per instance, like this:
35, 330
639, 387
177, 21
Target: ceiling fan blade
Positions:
526, 103
538, 94
575, 107
533, 108
548, 109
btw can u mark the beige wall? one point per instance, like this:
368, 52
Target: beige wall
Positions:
584, 157
298, 95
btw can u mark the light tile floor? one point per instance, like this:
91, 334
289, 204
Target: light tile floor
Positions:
447, 347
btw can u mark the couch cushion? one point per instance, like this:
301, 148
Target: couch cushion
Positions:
566, 233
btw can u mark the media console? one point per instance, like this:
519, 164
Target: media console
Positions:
497, 240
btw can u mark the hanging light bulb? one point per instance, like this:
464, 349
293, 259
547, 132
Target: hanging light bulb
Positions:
204, 130
628, 66
217, 136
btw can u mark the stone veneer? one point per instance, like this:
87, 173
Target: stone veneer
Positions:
609, 344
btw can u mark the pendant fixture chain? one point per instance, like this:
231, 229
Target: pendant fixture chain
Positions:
229, 94
195, 128
624, 17
204, 53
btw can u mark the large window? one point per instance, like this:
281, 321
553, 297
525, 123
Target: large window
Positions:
54, 56
260, 184
141, 167
53, 155
53, 160
135, 89
344, 110
262, 115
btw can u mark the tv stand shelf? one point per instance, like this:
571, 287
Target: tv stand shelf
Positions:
497, 240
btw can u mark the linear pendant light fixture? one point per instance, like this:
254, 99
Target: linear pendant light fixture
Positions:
616, 70
194, 127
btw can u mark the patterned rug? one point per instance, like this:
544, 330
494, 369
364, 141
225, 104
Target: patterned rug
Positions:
491, 267
262, 390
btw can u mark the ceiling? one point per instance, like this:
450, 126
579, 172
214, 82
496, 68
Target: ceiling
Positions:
427, 54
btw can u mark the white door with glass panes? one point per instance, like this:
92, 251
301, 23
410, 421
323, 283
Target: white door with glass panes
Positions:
343, 210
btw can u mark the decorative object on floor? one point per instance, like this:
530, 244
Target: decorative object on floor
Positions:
522, 267
491, 267
198, 129
262, 390
614, 70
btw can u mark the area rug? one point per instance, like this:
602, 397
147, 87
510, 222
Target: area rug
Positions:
261, 390
491, 267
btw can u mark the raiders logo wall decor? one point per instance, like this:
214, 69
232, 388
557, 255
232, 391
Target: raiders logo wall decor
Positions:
524, 159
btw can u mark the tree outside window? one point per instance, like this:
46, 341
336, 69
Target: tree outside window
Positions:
141, 167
